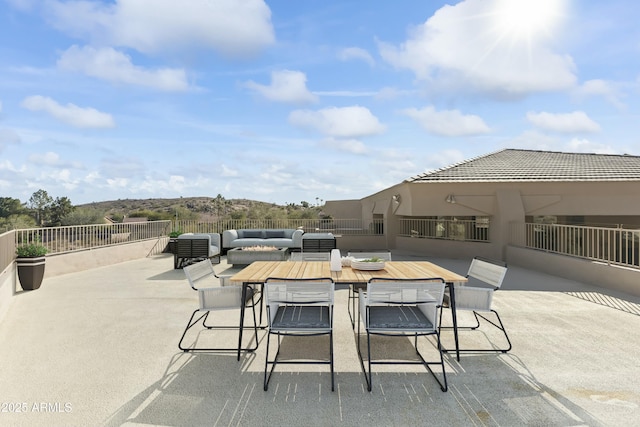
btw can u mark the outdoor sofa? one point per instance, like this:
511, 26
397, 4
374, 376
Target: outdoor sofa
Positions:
279, 238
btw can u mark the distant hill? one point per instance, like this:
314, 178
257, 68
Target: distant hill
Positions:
205, 207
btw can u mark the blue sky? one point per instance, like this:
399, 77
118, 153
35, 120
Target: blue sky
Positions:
288, 101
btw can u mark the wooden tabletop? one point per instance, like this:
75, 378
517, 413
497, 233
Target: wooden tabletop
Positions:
259, 271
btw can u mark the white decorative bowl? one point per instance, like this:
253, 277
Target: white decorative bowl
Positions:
346, 261
358, 264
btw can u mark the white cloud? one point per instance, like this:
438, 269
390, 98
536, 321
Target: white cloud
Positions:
460, 48
447, 122
70, 113
577, 121
346, 93
52, 159
117, 183
581, 145
350, 53
49, 158
353, 146
605, 89
7, 137
533, 140
229, 172
6, 165
175, 184
92, 177
122, 167
445, 158
345, 122
231, 27
286, 86
114, 66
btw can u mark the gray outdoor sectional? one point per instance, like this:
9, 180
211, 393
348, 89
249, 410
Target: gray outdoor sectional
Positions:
192, 247
279, 238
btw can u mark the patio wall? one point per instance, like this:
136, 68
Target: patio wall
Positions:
448, 248
8, 278
621, 279
361, 243
100, 257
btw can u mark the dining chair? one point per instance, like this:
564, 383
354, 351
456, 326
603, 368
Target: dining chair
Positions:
355, 289
214, 294
485, 277
299, 308
401, 308
310, 256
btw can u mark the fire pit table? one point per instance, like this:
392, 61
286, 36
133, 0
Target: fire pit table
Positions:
249, 254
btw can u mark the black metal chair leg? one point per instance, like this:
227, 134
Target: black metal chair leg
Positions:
190, 323
498, 325
331, 358
267, 377
204, 317
370, 380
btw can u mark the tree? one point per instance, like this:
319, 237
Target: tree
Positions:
238, 215
16, 221
183, 213
83, 216
59, 209
218, 204
10, 206
40, 203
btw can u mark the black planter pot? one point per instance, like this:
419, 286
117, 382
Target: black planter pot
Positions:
30, 272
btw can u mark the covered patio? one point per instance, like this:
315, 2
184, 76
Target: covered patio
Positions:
99, 347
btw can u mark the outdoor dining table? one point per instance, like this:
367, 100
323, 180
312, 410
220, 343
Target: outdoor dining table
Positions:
258, 272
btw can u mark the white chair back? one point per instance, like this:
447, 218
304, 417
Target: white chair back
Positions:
405, 292
426, 294
487, 271
211, 294
302, 292
201, 274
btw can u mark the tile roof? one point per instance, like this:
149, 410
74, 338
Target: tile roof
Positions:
529, 165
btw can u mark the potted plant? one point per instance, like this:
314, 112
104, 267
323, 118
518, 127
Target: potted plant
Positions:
30, 260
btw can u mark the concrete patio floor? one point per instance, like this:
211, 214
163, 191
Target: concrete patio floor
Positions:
99, 347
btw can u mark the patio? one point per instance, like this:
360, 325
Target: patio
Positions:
99, 347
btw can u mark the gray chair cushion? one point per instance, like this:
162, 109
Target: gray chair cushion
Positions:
398, 317
300, 317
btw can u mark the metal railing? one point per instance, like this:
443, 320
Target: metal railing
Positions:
335, 226
73, 238
610, 245
447, 229
65, 239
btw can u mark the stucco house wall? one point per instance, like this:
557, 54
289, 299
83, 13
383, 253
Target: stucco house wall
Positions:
512, 186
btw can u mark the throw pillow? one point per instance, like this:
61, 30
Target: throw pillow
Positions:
252, 234
273, 234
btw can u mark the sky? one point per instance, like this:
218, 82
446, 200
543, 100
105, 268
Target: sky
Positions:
287, 101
